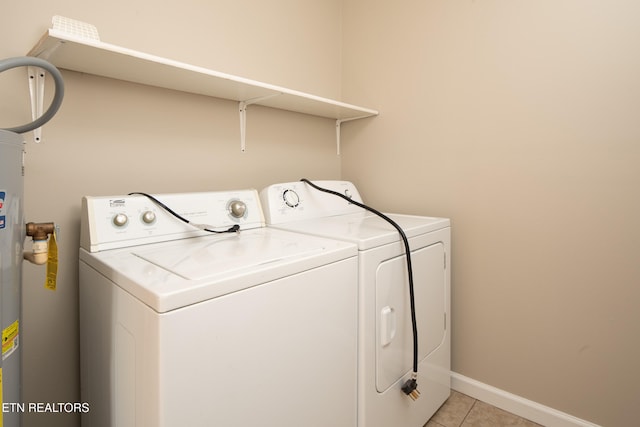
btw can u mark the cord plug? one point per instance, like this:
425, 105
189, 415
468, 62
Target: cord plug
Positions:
410, 388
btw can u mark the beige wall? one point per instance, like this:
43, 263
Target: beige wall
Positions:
112, 137
519, 120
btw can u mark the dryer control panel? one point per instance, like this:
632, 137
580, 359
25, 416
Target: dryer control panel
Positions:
294, 201
111, 222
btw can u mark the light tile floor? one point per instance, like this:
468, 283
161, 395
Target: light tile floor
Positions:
461, 410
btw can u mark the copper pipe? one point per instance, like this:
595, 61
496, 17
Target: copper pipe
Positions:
40, 231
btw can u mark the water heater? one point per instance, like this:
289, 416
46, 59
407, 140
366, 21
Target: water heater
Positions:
12, 235
13, 231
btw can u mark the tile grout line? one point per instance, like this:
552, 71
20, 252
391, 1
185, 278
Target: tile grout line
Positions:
468, 412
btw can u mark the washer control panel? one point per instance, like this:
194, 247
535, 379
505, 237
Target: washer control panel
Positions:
111, 222
295, 201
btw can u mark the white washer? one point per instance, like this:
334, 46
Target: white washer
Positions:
385, 342
180, 327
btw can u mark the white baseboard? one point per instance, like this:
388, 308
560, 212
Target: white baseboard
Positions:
517, 405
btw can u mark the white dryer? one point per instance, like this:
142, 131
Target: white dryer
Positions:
385, 341
180, 327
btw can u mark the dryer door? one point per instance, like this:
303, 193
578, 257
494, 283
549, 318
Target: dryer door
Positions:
394, 342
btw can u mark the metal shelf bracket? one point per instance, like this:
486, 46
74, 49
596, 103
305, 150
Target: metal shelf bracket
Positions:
338, 125
36, 78
242, 108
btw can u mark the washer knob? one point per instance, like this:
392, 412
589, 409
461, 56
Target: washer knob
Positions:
148, 217
237, 208
291, 198
120, 220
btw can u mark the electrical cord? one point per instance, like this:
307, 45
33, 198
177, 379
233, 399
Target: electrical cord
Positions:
410, 387
204, 227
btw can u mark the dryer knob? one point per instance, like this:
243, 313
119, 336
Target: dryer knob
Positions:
237, 208
291, 198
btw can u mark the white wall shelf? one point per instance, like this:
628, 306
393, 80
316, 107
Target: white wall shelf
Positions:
87, 55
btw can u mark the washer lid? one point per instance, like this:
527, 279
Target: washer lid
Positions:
197, 259
170, 275
366, 229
